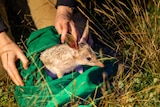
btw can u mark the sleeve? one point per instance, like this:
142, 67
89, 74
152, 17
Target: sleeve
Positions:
3, 27
70, 3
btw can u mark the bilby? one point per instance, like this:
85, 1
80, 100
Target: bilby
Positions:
61, 59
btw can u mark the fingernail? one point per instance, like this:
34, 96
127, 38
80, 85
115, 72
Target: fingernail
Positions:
26, 68
22, 84
62, 41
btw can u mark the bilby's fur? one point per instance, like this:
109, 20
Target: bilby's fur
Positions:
61, 59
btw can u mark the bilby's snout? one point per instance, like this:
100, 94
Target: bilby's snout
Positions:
100, 64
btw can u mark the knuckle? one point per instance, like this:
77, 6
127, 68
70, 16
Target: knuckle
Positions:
26, 61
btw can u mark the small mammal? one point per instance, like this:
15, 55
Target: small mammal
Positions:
61, 59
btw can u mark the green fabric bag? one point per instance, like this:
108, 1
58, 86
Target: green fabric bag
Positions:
41, 90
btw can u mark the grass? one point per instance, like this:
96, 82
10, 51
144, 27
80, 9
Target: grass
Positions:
6, 94
131, 29
135, 27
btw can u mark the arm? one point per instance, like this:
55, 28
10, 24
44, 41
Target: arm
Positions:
9, 53
63, 21
2, 26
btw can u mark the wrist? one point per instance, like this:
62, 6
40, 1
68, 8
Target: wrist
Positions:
64, 11
3, 27
4, 39
69, 3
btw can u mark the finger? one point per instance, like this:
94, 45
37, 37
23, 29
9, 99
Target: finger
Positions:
13, 69
13, 74
15, 77
64, 33
24, 60
58, 28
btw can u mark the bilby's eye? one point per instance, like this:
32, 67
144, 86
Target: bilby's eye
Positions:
89, 58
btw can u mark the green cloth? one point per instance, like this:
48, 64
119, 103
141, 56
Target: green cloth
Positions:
41, 90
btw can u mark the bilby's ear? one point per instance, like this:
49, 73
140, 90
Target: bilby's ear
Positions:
70, 40
81, 45
85, 34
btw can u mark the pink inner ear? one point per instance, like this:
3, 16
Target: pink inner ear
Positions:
73, 45
70, 40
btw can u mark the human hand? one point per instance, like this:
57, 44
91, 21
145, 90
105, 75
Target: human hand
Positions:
64, 23
10, 53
